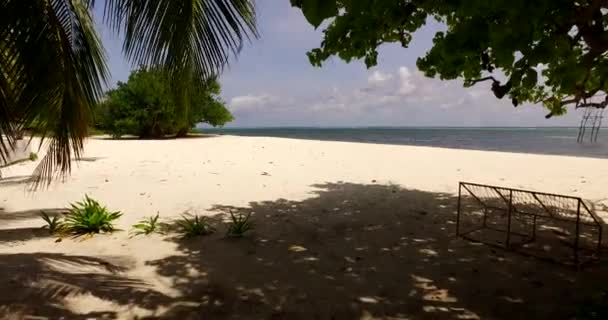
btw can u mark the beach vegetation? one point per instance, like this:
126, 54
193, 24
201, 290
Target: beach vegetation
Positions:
54, 66
547, 52
239, 224
89, 217
195, 226
147, 106
146, 226
53, 223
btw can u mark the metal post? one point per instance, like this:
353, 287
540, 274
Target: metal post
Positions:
509, 219
599, 240
485, 216
576, 236
458, 210
534, 228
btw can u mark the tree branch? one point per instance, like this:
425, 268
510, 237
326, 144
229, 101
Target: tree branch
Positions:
473, 82
598, 105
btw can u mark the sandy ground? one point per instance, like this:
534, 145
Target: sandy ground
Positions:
343, 231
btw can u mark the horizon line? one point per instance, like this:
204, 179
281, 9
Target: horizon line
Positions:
388, 127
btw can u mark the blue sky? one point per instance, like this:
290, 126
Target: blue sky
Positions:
271, 83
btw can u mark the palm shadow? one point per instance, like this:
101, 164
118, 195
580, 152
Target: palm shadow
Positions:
350, 251
355, 251
15, 180
168, 137
21, 234
7, 216
39, 282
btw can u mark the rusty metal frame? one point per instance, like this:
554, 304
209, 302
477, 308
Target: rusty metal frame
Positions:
512, 210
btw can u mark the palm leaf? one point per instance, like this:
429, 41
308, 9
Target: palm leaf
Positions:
57, 73
191, 39
52, 64
182, 35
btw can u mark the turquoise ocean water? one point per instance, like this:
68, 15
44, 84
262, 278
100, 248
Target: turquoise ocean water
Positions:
555, 141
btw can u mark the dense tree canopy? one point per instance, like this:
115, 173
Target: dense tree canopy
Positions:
53, 70
145, 106
546, 51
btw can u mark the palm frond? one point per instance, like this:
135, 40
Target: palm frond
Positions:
58, 71
189, 39
10, 76
52, 64
182, 35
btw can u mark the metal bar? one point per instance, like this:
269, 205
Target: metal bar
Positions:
500, 194
485, 216
509, 218
593, 129
546, 217
473, 195
599, 240
576, 236
499, 246
525, 236
581, 126
595, 219
495, 229
522, 190
534, 228
463, 234
458, 210
531, 254
567, 216
542, 204
501, 230
599, 126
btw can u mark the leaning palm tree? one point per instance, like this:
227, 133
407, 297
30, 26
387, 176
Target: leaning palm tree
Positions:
53, 66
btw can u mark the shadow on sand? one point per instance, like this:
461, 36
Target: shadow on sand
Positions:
16, 180
351, 251
169, 137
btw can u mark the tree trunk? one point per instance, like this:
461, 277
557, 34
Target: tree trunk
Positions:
182, 132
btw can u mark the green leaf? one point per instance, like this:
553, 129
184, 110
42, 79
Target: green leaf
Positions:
146, 106
316, 11
531, 78
479, 37
53, 66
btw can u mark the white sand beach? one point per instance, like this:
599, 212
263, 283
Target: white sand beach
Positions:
348, 201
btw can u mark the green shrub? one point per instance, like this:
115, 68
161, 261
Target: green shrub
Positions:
53, 224
88, 217
239, 225
121, 127
146, 106
33, 156
146, 226
95, 132
195, 226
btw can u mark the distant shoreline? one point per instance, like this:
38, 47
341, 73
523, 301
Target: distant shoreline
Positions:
533, 140
387, 127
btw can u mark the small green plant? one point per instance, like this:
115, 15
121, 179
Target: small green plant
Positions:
53, 224
146, 226
33, 156
239, 225
88, 217
195, 226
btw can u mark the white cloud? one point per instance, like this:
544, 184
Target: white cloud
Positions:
246, 102
400, 98
378, 77
405, 76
